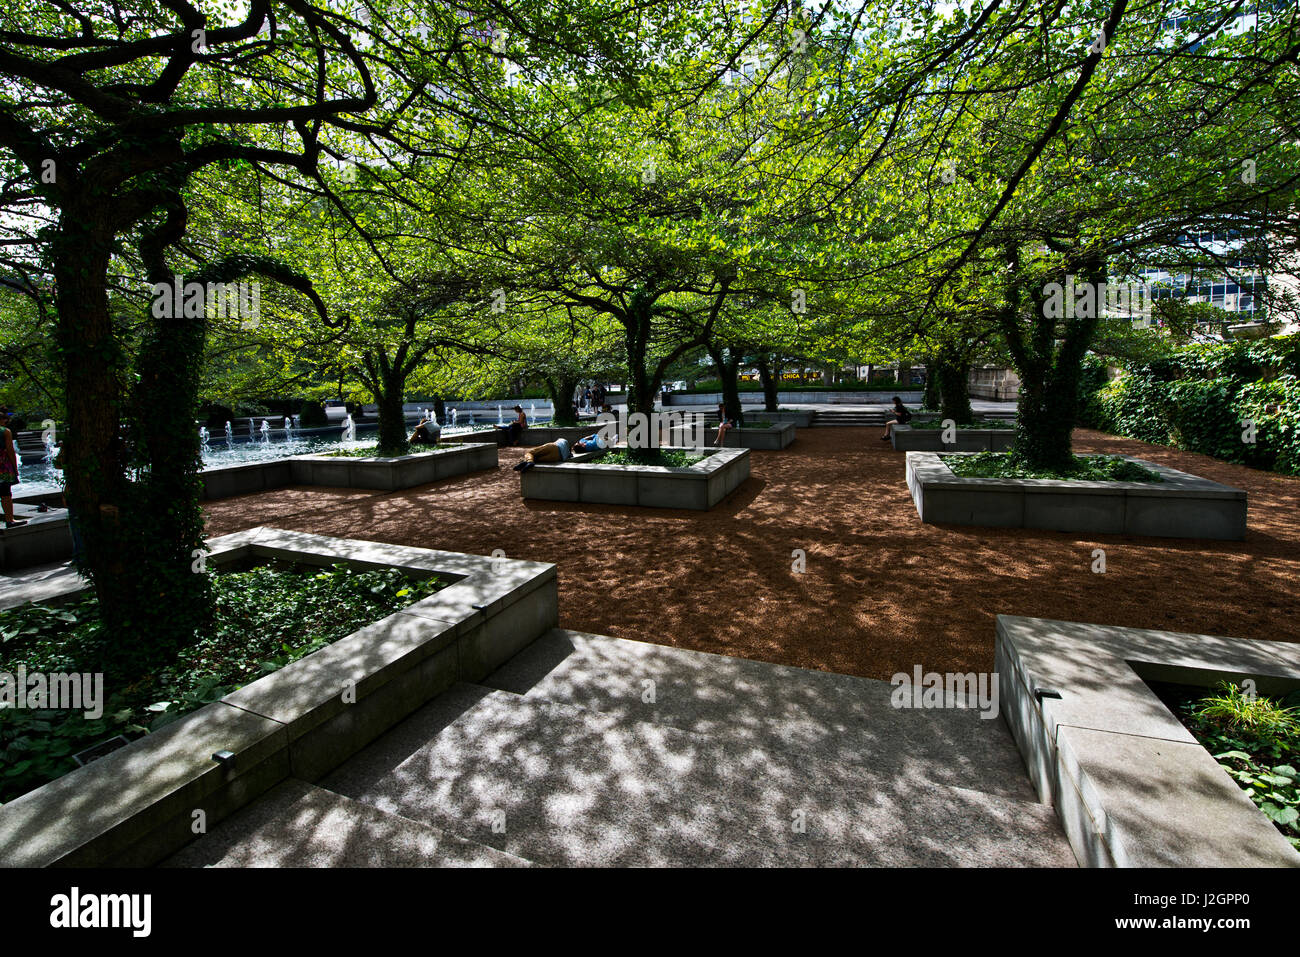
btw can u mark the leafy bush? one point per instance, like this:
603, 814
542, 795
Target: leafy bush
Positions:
313, 416
1197, 399
265, 618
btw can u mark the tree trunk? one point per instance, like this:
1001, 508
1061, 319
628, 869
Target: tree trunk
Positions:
953, 374
640, 384
727, 360
392, 419
561, 390
171, 597
1049, 375
439, 409
932, 398
93, 452
768, 377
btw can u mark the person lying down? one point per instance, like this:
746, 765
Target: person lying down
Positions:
560, 451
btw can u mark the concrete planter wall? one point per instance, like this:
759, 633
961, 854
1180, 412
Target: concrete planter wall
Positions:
136, 806
1181, 506
772, 438
820, 397
406, 471
700, 486
1131, 785
45, 539
907, 439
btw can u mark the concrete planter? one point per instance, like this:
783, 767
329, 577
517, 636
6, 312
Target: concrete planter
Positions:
907, 439
406, 471
1181, 506
772, 438
1131, 785
136, 806
45, 539
700, 486
818, 397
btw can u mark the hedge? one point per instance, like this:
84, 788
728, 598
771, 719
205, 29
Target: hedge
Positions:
1199, 398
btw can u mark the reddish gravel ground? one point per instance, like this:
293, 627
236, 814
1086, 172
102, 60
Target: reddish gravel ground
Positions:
882, 592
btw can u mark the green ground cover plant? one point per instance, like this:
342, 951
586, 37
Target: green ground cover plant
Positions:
937, 424
1090, 468
664, 457
265, 618
1256, 740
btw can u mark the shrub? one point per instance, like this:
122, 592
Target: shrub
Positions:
312, 416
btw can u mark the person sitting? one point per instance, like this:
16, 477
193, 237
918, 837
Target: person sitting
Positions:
724, 424
901, 417
426, 433
509, 434
557, 451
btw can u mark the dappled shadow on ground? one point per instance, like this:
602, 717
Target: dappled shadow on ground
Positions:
881, 591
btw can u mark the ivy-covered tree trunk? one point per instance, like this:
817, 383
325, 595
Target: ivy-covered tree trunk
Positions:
640, 382
393, 437
768, 376
727, 360
931, 399
172, 597
561, 389
953, 375
1050, 362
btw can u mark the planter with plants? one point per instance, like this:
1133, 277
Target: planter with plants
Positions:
1116, 495
657, 478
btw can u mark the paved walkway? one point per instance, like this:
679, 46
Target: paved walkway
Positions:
593, 751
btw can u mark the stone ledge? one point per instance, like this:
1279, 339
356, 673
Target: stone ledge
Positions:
133, 807
772, 438
1180, 506
379, 474
44, 539
1132, 786
905, 438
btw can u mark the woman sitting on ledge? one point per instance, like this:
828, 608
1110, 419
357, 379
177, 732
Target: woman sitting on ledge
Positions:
557, 451
901, 417
509, 434
724, 424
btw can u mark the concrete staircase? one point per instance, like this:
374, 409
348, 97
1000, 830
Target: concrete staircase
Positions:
586, 750
858, 418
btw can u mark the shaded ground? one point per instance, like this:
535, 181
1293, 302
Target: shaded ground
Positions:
882, 592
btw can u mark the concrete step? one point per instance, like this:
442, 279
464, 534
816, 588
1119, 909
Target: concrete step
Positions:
297, 824
563, 785
835, 718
